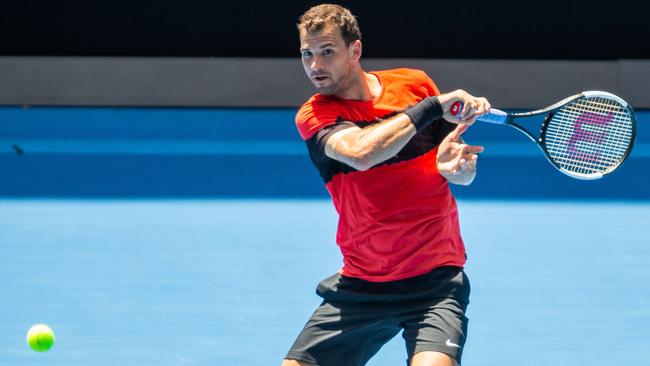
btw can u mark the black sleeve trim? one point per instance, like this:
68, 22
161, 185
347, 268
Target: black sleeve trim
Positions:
320, 138
326, 166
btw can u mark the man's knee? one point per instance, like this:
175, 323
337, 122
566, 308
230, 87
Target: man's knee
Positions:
288, 362
429, 358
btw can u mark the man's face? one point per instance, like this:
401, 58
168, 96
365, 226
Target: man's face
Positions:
326, 60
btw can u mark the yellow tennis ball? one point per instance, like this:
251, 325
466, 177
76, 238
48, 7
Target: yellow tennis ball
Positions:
40, 337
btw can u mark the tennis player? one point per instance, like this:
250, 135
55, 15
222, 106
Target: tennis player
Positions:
386, 146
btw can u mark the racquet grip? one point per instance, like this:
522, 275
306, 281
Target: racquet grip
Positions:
496, 116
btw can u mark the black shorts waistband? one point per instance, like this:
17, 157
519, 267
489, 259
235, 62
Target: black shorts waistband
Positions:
448, 281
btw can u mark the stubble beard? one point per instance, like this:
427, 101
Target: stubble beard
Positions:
336, 86
329, 89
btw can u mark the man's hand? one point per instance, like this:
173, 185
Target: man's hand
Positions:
457, 160
472, 107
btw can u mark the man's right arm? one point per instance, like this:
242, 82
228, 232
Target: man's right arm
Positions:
363, 148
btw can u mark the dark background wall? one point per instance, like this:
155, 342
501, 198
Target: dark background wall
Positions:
520, 54
509, 29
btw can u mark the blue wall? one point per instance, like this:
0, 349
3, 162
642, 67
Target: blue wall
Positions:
126, 152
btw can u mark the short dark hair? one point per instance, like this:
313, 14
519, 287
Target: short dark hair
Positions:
317, 17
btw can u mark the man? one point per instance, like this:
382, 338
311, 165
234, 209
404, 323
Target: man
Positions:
385, 153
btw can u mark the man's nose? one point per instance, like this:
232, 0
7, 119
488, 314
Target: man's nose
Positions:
316, 64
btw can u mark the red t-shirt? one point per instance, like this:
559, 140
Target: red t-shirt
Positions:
397, 219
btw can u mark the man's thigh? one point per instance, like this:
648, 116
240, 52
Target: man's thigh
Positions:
343, 334
438, 325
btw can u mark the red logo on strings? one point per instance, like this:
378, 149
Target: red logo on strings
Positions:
581, 134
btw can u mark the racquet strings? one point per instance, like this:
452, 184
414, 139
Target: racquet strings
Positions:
590, 135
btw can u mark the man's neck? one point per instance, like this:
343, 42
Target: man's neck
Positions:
363, 87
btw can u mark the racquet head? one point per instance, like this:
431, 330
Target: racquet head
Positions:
590, 136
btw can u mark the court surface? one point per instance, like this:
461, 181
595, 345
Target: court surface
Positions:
231, 282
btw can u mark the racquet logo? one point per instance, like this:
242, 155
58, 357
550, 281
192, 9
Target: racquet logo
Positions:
583, 134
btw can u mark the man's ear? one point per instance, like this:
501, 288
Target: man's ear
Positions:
355, 50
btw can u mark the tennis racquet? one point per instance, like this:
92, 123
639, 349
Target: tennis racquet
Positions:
585, 136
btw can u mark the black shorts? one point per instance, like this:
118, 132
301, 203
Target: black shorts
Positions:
358, 317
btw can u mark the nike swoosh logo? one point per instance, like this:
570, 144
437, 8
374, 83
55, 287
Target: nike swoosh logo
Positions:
449, 343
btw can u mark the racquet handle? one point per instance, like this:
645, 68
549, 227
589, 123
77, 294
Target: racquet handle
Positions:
495, 116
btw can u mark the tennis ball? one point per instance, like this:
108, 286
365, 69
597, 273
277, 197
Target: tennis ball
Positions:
40, 337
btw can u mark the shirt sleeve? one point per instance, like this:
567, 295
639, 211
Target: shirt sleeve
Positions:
431, 86
314, 116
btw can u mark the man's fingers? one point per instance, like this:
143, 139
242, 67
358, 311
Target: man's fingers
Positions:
457, 163
473, 108
471, 149
469, 109
467, 162
470, 164
482, 109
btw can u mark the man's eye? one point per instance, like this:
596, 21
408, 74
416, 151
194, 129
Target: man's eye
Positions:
306, 54
328, 52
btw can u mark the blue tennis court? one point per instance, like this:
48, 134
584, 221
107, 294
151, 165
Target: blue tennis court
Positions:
138, 244
205, 282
